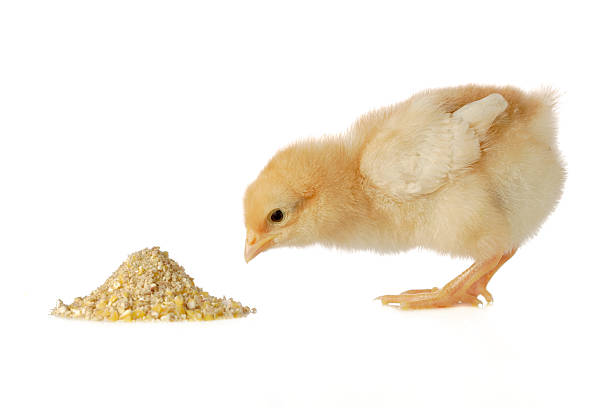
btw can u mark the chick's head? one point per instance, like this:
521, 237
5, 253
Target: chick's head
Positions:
293, 201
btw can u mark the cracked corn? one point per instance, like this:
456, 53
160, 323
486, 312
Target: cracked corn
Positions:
150, 286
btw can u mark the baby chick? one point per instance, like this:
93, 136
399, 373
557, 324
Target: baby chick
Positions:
470, 171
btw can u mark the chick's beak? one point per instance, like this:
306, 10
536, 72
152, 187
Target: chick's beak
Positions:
255, 245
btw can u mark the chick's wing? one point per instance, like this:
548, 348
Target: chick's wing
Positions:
420, 146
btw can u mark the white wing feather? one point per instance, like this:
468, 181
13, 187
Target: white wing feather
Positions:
420, 147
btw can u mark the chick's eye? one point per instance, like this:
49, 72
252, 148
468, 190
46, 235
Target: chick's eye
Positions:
276, 215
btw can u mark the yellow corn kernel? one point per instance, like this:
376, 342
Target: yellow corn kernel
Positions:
114, 316
191, 304
179, 300
193, 315
126, 315
180, 309
112, 299
157, 308
209, 316
138, 314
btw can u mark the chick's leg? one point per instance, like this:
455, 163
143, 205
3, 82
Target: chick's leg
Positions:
464, 289
480, 287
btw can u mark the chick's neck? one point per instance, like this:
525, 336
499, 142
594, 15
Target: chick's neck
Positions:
342, 206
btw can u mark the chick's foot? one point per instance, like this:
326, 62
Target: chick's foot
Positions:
463, 290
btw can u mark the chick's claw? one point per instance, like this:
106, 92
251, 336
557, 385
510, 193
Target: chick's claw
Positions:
481, 289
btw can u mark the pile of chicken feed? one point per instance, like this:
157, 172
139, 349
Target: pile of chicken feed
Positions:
150, 286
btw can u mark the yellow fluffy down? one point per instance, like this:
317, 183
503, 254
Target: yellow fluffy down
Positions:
470, 171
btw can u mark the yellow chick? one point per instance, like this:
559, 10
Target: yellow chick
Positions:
471, 171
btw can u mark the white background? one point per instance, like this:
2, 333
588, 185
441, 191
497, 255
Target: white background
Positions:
130, 124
